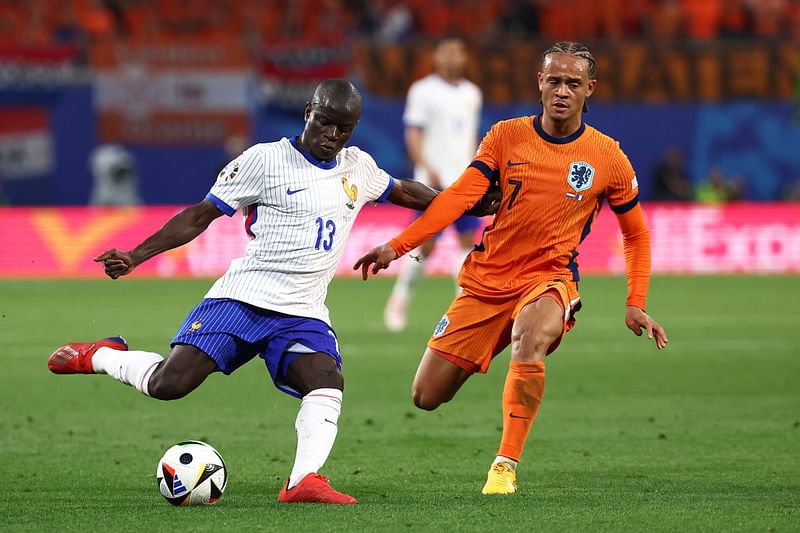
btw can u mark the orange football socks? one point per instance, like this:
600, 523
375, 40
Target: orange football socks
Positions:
522, 396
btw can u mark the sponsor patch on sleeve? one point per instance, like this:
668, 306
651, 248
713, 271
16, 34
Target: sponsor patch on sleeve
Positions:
229, 172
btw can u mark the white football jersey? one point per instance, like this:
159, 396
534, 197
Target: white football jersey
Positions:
298, 212
449, 115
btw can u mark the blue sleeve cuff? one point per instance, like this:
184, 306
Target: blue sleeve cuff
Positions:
388, 190
624, 208
490, 174
219, 204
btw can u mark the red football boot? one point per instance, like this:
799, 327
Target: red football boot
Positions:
314, 488
76, 358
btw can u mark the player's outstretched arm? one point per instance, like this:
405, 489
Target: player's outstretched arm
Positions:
379, 258
637, 320
636, 246
411, 194
447, 207
179, 230
415, 195
488, 204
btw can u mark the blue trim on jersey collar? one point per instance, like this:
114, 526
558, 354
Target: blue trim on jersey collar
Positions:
220, 204
388, 190
556, 140
325, 165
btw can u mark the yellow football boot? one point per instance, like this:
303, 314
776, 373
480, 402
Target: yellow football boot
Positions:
501, 479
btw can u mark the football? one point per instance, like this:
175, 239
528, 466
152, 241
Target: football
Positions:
192, 473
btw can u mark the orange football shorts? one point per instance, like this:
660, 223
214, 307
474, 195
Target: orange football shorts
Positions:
476, 328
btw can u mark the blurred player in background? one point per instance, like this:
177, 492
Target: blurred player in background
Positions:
299, 197
441, 120
520, 285
116, 181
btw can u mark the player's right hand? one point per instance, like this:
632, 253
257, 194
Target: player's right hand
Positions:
116, 263
379, 257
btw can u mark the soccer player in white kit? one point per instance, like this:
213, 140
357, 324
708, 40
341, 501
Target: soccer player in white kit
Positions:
441, 118
300, 198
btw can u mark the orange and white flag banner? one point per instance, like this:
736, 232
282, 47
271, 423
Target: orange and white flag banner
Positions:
171, 93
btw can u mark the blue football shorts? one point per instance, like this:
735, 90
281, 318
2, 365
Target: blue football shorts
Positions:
232, 332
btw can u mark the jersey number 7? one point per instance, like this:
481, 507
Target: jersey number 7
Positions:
517, 186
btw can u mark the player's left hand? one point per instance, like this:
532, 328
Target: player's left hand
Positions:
379, 257
637, 320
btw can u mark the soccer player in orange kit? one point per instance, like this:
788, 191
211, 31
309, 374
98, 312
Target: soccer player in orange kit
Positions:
520, 285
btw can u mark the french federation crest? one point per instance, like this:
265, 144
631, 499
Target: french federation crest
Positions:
351, 191
580, 176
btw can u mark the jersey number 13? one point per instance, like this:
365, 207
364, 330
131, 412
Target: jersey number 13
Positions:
326, 229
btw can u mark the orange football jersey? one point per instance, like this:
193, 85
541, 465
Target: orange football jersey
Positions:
553, 189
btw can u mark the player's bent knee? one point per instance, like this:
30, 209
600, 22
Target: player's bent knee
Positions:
425, 400
166, 389
315, 371
425, 403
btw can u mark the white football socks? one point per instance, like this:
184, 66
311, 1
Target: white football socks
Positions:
316, 427
501, 459
130, 367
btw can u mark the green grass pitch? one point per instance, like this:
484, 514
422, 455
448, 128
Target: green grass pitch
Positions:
702, 436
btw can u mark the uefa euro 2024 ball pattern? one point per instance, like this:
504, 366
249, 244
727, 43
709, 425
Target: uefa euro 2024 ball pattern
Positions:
192, 473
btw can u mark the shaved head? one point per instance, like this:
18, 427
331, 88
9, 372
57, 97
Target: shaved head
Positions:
331, 116
337, 94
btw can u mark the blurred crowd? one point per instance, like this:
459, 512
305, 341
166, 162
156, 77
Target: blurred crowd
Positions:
77, 22
671, 183
305, 24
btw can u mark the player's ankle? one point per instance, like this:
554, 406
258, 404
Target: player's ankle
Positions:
503, 459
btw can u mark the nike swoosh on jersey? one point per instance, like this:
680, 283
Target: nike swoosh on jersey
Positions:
291, 191
517, 163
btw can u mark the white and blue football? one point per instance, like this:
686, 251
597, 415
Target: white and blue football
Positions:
192, 473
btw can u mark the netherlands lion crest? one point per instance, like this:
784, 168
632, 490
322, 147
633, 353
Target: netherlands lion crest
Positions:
580, 175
